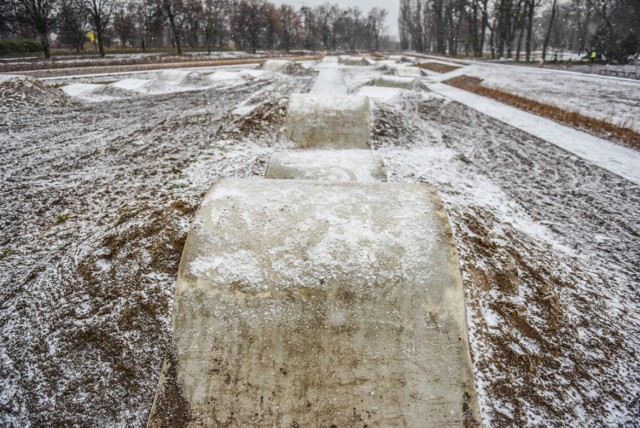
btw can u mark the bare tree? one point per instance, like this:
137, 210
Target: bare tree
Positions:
100, 12
477, 16
173, 10
41, 16
290, 26
310, 28
375, 26
249, 22
413, 21
272, 26
72, 22
548, 33
124, 23
193, 10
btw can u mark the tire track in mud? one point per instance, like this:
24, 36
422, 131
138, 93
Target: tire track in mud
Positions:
95, 218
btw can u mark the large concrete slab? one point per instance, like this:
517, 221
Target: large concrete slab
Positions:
329, 122
408, 71
397, 82
305, 303
277, 65
327, 165
355, 60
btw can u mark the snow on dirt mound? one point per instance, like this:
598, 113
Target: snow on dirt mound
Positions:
297, 69
113, 92
28, 92
184, 77
286, 67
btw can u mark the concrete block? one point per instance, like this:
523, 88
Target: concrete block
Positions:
355, 60
408, 71
307, 303
327, 165
397, 82
276, 65
337, 122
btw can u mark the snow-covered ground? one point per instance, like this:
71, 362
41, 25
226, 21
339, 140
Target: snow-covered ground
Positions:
97, 198
165, 82
613, 157
614, 100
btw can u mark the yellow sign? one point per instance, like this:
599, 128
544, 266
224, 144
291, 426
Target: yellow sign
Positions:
91, 36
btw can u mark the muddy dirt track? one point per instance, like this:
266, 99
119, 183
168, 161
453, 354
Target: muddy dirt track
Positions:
97, 199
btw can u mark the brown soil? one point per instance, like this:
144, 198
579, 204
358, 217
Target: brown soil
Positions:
600, 128
263, 118
437, 67
28, 92
172, 407
543, 341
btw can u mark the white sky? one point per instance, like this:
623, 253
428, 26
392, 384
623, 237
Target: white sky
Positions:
391, 6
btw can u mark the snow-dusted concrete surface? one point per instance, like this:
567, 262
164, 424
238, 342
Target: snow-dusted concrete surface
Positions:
397, 82
332, 122
276, 64
408, 71
327, 165
329, 80
613, 157
316, 304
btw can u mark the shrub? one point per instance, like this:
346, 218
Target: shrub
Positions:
19, 46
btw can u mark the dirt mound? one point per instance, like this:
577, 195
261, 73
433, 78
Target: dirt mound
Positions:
28, 92
183, 77
266, 117
110, 91
437, 67
296, 69
196, 79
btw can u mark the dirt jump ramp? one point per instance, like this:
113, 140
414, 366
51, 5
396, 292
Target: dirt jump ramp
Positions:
329, 122
308, 303
327, 165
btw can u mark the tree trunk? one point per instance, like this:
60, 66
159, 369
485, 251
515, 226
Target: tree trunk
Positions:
100, 44
520, 26
99, 28
519, 45
45, 44
485, 23
492, 39
529, 29
548, 35
176, 36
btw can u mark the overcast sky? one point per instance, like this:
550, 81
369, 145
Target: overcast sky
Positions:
365, 5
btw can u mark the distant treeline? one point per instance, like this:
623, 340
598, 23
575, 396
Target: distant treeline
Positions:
197, 24
514, 28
